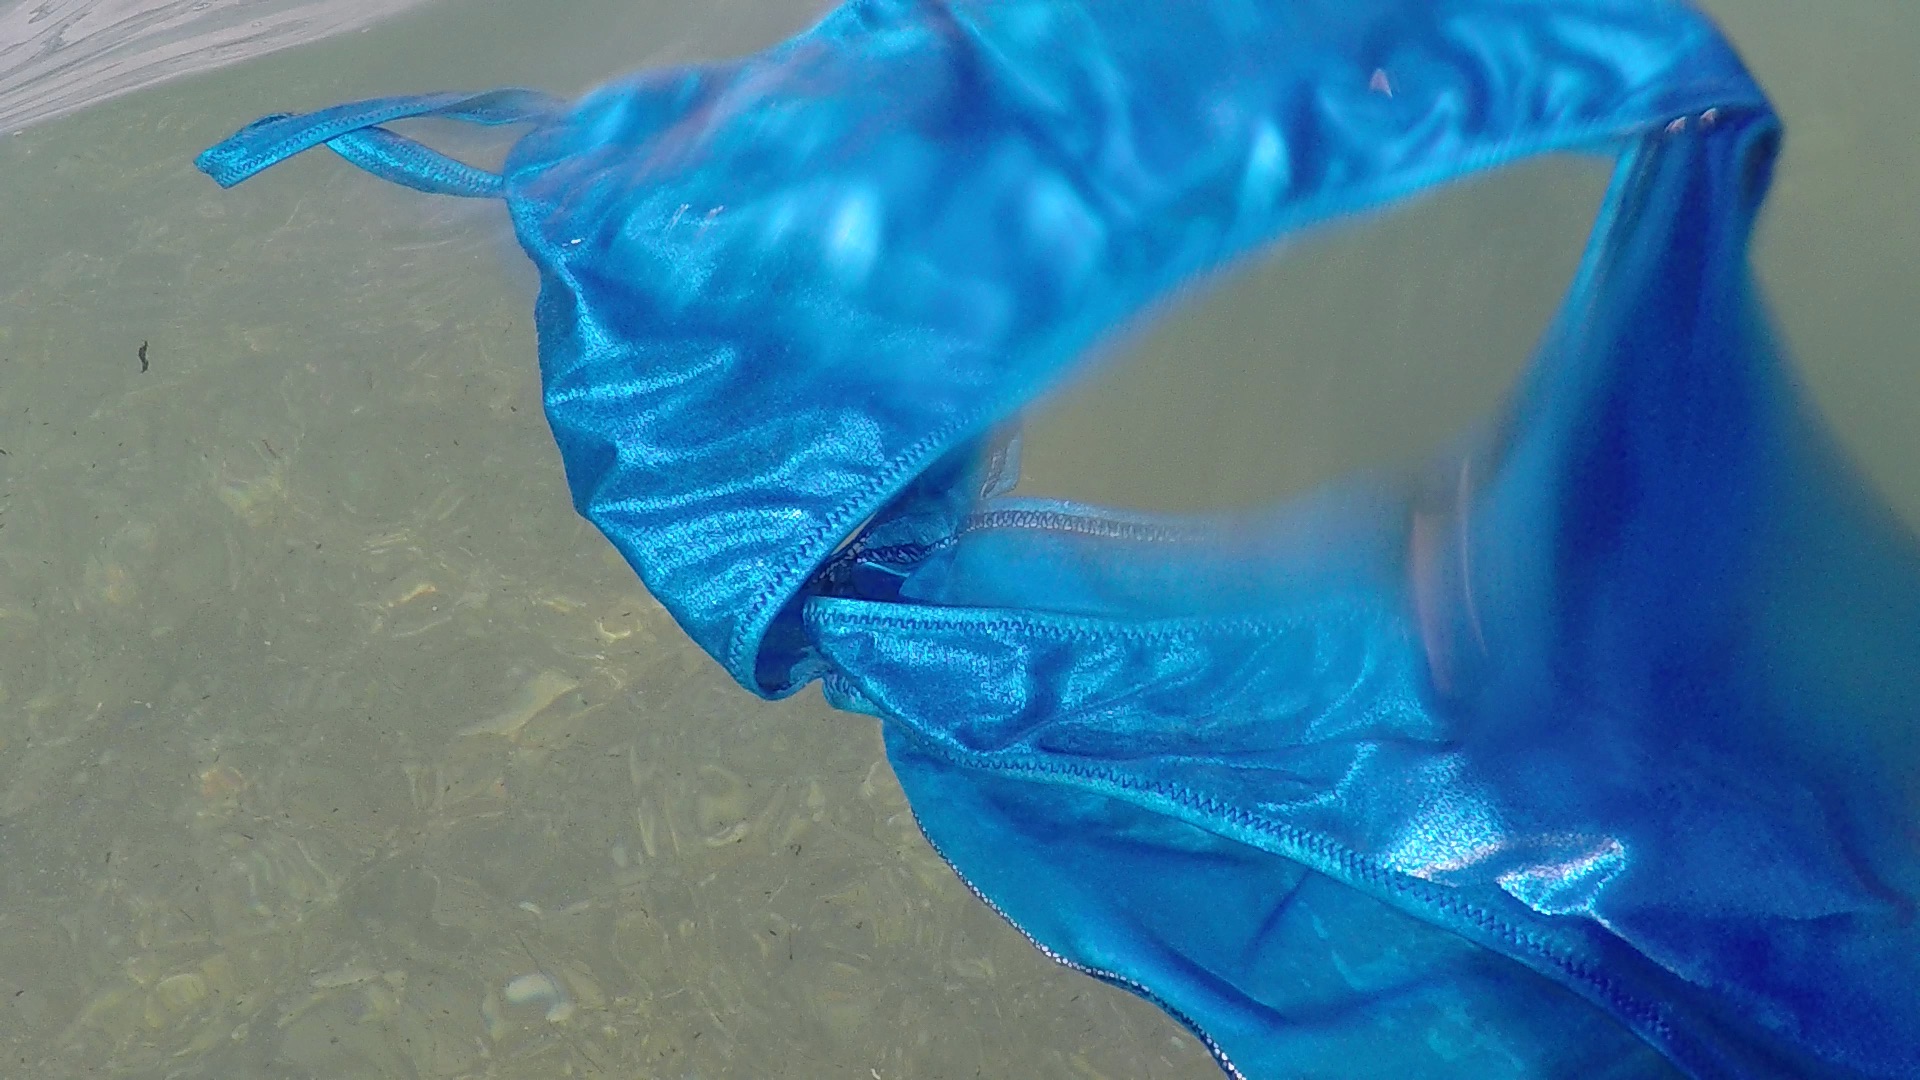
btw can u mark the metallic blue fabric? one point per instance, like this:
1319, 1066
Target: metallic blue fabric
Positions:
1587, 749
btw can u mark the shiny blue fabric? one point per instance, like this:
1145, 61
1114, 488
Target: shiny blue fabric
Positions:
1587, 748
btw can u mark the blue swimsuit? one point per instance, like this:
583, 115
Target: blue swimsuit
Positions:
1590, 748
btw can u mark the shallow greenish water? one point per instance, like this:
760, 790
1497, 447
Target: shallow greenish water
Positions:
333, 744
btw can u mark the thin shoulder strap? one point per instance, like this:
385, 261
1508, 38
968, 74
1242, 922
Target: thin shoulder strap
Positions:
353, 131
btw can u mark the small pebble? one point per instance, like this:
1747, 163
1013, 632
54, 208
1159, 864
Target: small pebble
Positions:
534, 989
